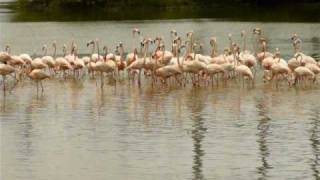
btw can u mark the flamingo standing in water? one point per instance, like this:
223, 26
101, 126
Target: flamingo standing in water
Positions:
4, 56
62, 64
131, 57
302, 72
5, 70
245, 57
48, 60
242, 70
279, 68
140, 63
121, 63
38, 76
105, 65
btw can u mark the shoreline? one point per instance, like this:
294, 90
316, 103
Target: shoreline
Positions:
307, 12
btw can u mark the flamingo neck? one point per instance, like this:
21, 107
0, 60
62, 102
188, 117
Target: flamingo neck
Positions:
54, 52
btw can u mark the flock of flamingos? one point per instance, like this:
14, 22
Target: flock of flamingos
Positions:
181, 65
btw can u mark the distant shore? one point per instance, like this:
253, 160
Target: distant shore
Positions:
243, 10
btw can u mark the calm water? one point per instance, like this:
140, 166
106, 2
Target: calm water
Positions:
75, 130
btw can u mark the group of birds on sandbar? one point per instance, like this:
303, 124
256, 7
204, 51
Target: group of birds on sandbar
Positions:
184, 63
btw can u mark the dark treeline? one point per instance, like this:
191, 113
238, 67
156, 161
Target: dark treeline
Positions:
248, 10
105, 4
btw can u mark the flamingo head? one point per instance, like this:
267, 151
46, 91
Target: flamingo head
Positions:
294, 37
243, 33
97, 41
136, 30
213, 40
201, 45
162, 46
174, 32
189, 34
257, 31
105, 48
90, 42
230, 36
178, 38
7, 48
44, 47
297, 41
277, 53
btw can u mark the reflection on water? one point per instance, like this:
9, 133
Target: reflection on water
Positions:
315, 142
197, 136
75, 130
196, 106
263, 131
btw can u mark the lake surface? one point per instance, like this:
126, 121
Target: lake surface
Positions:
75, 130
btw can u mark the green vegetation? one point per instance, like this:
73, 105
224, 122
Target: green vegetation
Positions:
244, 10
107, 4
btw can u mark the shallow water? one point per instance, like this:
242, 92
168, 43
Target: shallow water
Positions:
75, 130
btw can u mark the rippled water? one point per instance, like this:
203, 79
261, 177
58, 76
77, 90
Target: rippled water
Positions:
75, 130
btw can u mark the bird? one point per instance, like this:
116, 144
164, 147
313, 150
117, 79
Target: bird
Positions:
62, 64
140, 63
279, 68
26, 58
5, 70
38, 76
302, 72
4, 56
245, 56
37, 63
48, 60
121, 63
104, 66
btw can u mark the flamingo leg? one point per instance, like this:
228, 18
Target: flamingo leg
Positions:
4, 83
139, 78
41, 86
37, 87
101, 77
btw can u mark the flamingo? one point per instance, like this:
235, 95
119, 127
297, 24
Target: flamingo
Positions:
241, 69
221, 59
193, 66
279, 67
131, 57
302, 72
162, 56
214, 69
5, 69
38, 76
62, 63
168, 71
245, 56
48, 60
78, 62
121, 63
4, 56
140, 63
37, 63
26, 58
104, 66
264, 54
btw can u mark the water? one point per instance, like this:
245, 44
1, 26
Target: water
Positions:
75, 130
